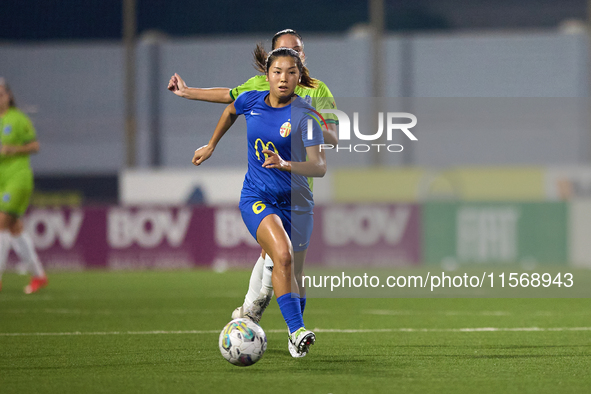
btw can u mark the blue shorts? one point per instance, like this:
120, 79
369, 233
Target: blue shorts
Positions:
298, 225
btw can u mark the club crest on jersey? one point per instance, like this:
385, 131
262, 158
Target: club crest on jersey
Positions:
285, 129
7, 129
6, 197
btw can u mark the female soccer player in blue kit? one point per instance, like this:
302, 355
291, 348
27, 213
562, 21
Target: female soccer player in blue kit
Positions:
276, 201
316, 93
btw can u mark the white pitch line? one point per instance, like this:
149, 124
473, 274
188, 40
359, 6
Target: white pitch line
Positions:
133, 312
476, 329
318, 330
388, 312
106, 312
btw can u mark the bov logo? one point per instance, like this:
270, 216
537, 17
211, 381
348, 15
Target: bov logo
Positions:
345, 131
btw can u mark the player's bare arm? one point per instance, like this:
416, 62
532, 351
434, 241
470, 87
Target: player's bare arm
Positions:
213, 95
226, 121
331, 136
314, 166
27, 149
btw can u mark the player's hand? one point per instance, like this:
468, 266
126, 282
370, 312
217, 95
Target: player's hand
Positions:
8, 150
177, 85
202, 154
275, 161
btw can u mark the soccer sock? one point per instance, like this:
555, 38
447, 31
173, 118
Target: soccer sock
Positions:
267, 286
4, 249
289, 304
303, 304
25, 250
254, 286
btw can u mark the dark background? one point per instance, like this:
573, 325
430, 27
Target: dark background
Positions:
102, 19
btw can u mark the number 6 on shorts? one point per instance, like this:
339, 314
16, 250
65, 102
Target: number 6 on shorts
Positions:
258, 207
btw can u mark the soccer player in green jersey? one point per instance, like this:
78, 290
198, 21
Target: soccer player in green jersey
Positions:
319, 97
17, 142
260, 289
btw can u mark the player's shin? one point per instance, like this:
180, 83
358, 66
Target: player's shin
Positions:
254, 288
255, 283
255, 310
4, 249
25, 250
288, 296
290, 309
267, 285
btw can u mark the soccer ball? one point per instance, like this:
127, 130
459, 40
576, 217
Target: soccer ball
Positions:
242, 342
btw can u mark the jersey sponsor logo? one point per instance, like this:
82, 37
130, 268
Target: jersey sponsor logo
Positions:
254, 113
7, 129
285, 129
264, 146
6, 197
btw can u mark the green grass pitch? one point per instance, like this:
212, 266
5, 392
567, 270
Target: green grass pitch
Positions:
157, 332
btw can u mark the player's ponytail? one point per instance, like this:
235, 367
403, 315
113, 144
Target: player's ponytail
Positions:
305, 79
260, 58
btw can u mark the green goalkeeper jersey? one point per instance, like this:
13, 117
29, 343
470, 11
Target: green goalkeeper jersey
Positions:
319, 97
15, 129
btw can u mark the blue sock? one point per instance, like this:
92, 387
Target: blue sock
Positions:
290, 309
303, 304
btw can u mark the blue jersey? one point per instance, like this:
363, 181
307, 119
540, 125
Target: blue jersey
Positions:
285, 131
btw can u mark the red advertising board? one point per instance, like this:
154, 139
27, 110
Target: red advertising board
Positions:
118, 237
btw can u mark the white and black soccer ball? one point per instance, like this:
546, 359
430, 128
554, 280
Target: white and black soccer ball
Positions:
242, 342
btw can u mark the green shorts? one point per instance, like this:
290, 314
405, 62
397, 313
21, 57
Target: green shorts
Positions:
15, 192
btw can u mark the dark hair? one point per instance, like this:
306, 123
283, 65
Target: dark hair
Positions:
305, 79
3, 83
262, 62
282, 33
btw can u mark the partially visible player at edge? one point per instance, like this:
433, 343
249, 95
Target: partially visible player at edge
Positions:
17, 142
276, 201
260, 289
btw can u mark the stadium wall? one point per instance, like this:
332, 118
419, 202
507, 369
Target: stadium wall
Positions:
74, 92
510, 215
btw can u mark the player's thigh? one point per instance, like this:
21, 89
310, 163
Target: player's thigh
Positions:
7, 221
273, 238
15, 193
301, 225
299, 259
16, 227
254, 212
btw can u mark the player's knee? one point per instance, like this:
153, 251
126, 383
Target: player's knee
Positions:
5, 221
282, 258
16, 227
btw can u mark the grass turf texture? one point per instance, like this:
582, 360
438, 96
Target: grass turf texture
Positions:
115, 354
